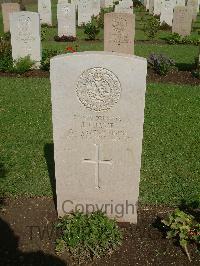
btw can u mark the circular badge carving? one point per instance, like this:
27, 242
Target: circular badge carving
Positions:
98, 89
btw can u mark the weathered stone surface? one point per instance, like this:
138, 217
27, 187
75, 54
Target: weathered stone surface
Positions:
98, 103
44, 9
84, 11
25, 35
8, 8
119, 32
167, 8
66, 16
124, 7
182, 20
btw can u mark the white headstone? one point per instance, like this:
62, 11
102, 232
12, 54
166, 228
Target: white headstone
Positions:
167, 8
25, 35
66, 15
106, 3
180, 2
96, 7
98, 104
147, 4
44, 9
84, 11
157, 7
151, 6
124, 7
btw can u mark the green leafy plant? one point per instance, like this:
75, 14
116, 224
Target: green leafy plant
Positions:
91, 29
65, 38
151, 27
6, 61
184, 228
47, 54
43, 34
23, 65
88, 235
175, 38
6, 36
160, 63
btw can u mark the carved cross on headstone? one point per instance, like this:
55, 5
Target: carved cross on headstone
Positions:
97, 163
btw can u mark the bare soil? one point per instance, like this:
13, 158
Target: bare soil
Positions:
27, 237
174, 77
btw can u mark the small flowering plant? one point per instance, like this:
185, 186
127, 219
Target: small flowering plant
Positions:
160, 63
184, 228
70, 49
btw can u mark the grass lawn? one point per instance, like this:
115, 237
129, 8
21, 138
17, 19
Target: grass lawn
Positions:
170, 161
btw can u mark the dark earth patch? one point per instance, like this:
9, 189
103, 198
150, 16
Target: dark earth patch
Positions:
174, 77
27, 237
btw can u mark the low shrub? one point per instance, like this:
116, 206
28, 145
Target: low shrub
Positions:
151, 27
43, 34
160, 63
22, 65
91, 29
65, 38
175, 38
47, 54
45, 25
87, 236
184, 228
137, 3
6, 61
6, 36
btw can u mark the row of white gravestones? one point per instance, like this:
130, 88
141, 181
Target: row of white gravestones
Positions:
169, 13
98, 101
25, 36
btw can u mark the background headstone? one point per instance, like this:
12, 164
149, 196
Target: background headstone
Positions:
98, 103
106, 3
151, 6
193, 4
44, 9
84, 11
167, 8
8, 8
124, 7
96, 7
25, 35
119, 32
182, 21
157, 7
66, 16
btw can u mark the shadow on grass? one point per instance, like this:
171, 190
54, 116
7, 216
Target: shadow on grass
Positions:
3, 173
12, 256
185, 67
3, 170
49, 157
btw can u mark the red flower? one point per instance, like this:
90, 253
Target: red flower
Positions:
70, 49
